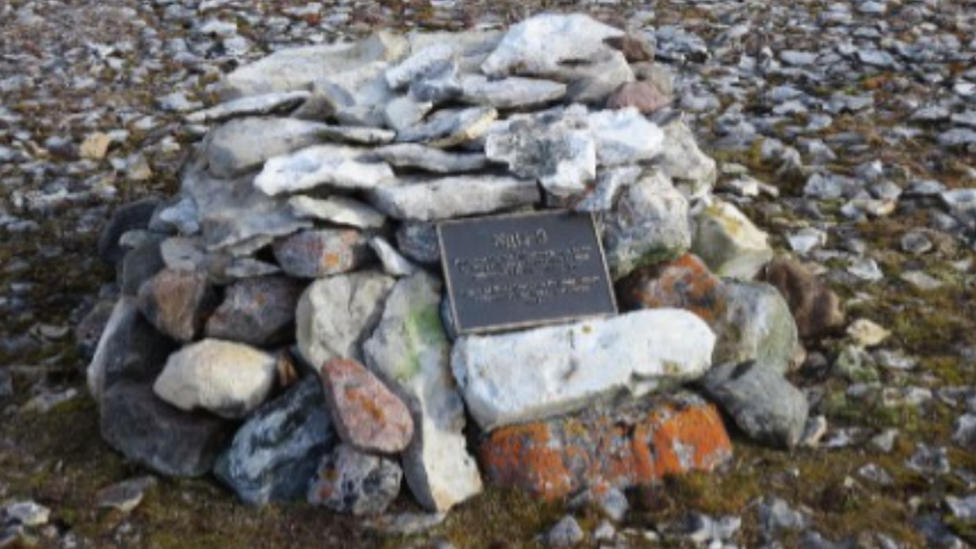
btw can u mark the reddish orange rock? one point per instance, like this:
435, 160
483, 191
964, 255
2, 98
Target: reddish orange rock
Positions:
685, 283
367, 415
637, 445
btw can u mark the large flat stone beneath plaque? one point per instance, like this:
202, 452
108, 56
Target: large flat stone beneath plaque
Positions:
520, 270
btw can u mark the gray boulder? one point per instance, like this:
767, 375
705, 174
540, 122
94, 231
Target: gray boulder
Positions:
273, 457
350, 481
756, 324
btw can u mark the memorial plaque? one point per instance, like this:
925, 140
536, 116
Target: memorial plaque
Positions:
521, 270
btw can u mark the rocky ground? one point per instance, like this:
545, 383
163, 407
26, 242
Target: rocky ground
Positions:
847, 130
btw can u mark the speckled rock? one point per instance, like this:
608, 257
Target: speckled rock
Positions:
756, 325
322, 252
685, 283
635, 445
274, 455
177, 302
352, 482
367, 415
258, 311
729, 243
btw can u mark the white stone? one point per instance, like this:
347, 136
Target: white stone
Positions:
335, 315
226, 378
329, 165
410, 352
693, 172
536, 374
243, 144
436, 199
729, 243
394, 264
624, 137
405, 112
450, 128
259, 104
544, 42
340, 210
424, 62
411, 155
509, 93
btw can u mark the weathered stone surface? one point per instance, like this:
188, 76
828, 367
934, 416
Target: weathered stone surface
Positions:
610, 183
367, 415
648, 226
349, 481
421, 64
294, 69
95, 146
685, 283
693, 171
359, 96
129, 348
624, 137
729, 243
177, 302
274, 456
643, 96
409, 351
234, 212
249, 106
155, 435
756, 325
450, 128
816, 309
542, 43
323, 252
139, 265
125, 218
126, 495
258, 311
406, 112
541, 373
393, 263
635, 445
336, 314
340, 210
228, 379
243, 144
509, 93
635, 47
412, 155
437, 199
554, 147
323, 165
760, 400
565, 534
418, 241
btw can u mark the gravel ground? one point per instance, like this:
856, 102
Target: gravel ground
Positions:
843, 128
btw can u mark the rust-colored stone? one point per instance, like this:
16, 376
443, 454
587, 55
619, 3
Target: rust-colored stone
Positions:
685, 283
177, 302
635, 47
817, 310
645, 96
636, 445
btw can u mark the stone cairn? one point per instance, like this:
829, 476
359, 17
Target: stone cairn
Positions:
282, 322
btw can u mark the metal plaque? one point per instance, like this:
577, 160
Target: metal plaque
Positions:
521, 270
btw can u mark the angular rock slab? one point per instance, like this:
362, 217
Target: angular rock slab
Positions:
274, 456
352, 482
336, 314
648, 226
412, 155
324, 252
543, 43
756, 324
449, 197
323, 165
249, 106
450, 128
541, 373
761, 401
693, 171
637, 445
624, 137
177, 302
244, 144
228, 379
685, 283
409, 351
339, 210
367, 415
129, 348
258, 311
729, 243
509, 93
153, 434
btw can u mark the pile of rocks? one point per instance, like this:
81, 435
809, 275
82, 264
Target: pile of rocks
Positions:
283, 324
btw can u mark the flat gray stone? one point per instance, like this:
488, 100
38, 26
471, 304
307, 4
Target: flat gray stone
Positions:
756, 324
249, 106
509, 93
450, 128
331, 166
340, 210
411, 155
244, 144
449, 197
422, 63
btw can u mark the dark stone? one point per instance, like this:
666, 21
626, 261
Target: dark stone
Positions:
350, 481
816, 309
6, 385
139, 265
177, 302
128, 217
275, 454
259, 311
88, 332
153, 434
523, 270
418, 241
761, 401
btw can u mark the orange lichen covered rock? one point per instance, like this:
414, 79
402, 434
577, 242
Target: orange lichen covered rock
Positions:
639, 444
685, 283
